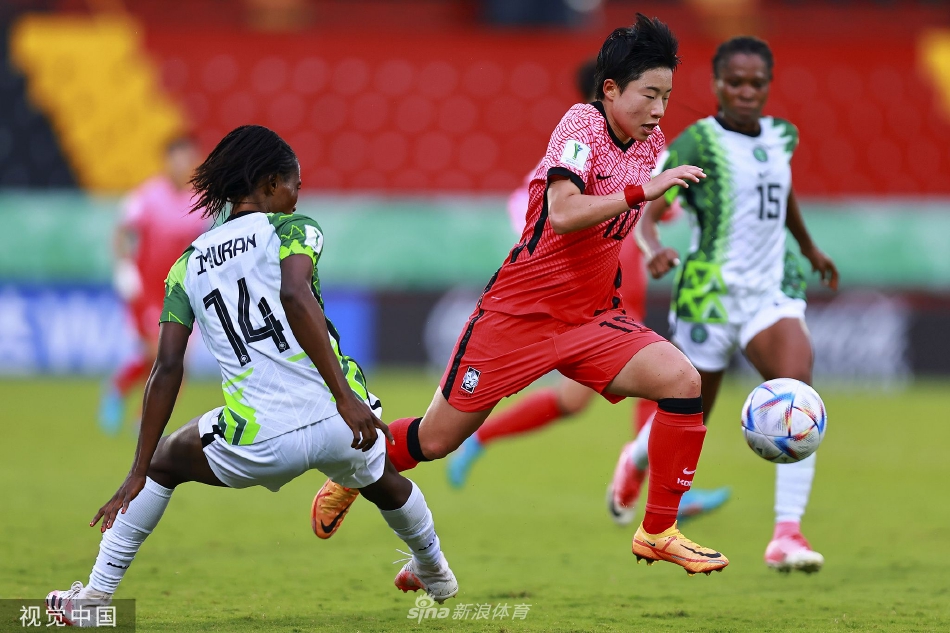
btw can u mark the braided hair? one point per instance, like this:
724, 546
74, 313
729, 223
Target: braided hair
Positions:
237, 165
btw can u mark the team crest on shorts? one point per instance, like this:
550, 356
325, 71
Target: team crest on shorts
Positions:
699, 333
470, 380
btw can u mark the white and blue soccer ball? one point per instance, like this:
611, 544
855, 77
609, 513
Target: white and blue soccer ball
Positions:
784, 420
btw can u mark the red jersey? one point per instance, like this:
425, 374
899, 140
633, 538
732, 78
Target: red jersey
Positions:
159, 215
575, 276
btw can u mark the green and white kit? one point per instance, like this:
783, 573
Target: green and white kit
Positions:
738, 278
229, 281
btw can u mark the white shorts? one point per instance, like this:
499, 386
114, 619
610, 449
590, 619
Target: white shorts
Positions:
710, 346
323, 445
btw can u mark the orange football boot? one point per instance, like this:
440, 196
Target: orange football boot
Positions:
671, 546
330, 507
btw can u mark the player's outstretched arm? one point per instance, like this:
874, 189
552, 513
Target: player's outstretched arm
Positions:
660, 260
679, 176
161, 391
820, 262
309, 326
569, 210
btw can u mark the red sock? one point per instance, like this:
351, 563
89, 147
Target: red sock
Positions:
531, 412
643, 413
129, 374
675, 444
406, 453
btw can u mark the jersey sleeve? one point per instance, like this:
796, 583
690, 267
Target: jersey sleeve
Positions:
569, 150
788, 133
177, 307
684, 150
299, 235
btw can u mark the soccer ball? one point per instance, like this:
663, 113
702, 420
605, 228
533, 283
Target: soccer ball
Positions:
783, 420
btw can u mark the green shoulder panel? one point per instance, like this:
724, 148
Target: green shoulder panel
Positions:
299, 234
177, 308
788, 132
684, 150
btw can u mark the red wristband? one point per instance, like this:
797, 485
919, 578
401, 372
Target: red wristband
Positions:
634, 195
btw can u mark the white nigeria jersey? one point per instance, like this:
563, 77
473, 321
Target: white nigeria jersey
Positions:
229, 281
737, 214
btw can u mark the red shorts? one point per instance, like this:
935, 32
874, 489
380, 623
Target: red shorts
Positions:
499, 354
145, 315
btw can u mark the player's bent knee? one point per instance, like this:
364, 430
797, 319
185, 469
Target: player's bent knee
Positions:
437, 448
573, 397
683, 381
162, 475
572, 406
162, 469
692, 382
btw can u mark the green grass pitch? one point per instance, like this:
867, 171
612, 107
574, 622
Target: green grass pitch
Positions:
531, 528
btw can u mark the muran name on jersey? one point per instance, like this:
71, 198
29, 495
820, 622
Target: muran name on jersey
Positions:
216, 255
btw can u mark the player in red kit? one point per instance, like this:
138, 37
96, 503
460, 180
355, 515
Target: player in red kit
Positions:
548, 405
554, 304
155, 228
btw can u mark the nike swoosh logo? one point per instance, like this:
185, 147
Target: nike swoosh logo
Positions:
689, 472
329, 528
651, 544
118, 566
599, 177
706, 554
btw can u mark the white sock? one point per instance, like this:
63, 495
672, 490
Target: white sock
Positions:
121, 542
639, 455
413, 524
792, 487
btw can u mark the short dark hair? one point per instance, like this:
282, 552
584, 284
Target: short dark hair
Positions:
586, 79
742, 44
630, 51
237, 165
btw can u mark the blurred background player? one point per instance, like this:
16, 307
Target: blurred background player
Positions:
301, 404
156, 227
568, 398
739, 287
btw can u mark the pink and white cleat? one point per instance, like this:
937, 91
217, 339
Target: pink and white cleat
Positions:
791, 551
438, 580
624, 488
75, 606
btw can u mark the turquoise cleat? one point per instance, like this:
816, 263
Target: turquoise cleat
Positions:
696, 502
111, 409
462, 460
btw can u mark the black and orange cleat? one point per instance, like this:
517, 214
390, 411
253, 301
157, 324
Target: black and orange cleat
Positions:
673, 547
330, 507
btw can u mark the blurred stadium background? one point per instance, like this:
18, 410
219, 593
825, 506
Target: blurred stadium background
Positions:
413, 119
